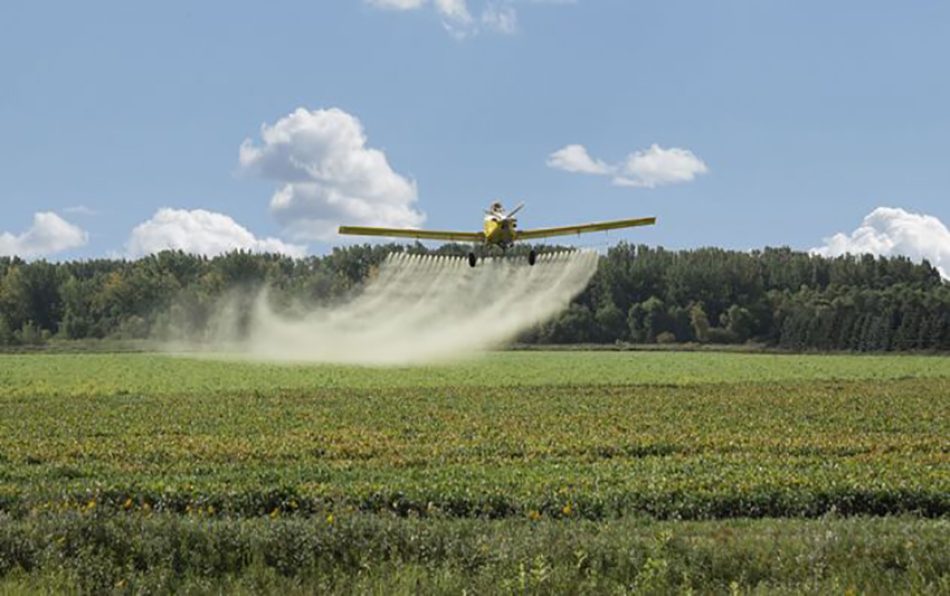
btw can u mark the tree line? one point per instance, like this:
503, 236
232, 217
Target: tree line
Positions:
776, 296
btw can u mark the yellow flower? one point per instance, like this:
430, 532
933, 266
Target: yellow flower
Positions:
567, 509
330, 518
534, 515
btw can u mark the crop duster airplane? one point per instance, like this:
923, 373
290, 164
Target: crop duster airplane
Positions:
500, 229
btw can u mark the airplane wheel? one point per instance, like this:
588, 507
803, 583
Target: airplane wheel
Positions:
472, 259
532, 257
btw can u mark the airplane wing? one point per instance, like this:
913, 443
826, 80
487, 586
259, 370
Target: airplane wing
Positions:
583, 228
416, 234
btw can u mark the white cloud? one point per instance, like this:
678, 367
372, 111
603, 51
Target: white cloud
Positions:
645, 169
328, 175
657, 166
455, 11
574, 158
49, 234
502, 19
499, 16
200, 232
396, 4
889, 231
456, 18
80, 210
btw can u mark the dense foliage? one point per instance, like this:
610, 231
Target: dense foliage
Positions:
382, 554
641, 295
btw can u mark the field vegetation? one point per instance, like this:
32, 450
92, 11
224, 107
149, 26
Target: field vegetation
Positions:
525, 471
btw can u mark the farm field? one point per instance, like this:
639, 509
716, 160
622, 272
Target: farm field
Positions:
532, 471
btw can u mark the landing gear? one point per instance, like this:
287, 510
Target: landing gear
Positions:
472, 259
532, 257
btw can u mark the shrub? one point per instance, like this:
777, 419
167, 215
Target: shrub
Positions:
31, 335
718, 335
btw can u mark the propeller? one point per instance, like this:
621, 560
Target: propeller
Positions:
515, 210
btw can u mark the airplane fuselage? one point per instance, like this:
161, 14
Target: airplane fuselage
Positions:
500, 232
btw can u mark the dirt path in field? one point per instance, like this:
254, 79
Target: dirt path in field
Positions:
421, 309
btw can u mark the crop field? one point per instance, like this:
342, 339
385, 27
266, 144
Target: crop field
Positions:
646, 472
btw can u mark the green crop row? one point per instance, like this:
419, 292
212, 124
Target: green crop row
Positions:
434, 502
384, 554
97, 375
772, 448
522, 472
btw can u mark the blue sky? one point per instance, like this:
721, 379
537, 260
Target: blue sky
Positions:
807, 117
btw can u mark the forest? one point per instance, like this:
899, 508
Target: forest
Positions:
775, 297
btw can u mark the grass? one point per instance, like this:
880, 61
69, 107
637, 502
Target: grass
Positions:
390, 555
522, 451
70, 375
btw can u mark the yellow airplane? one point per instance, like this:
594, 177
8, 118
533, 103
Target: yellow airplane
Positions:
500, 229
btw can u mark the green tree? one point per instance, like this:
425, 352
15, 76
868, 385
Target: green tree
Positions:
635, 324
576, 325
740, 322
611, 323
699, 322
655, 319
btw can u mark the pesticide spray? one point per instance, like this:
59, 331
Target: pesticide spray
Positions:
418, 309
